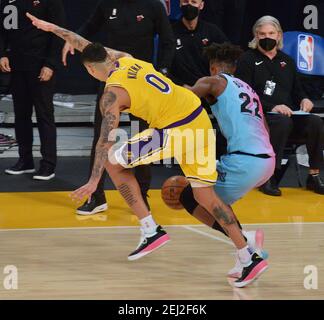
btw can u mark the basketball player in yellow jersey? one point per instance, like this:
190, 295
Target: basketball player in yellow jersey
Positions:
174, 114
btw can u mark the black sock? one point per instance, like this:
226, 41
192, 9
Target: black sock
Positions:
218, 227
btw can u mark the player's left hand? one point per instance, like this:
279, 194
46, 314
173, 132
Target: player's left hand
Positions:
85, 191
306, 105
41, 24
46, 74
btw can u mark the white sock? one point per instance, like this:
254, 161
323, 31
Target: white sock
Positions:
148, 224
245, 255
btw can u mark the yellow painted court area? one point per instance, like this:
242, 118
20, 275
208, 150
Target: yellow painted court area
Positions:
56, 210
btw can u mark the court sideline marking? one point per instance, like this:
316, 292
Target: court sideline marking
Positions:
166, 225
208, 235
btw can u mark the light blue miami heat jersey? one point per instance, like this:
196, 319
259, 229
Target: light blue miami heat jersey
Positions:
239, 113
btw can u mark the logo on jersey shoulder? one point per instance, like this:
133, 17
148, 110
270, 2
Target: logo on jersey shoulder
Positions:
283, 64
205, 41
133, 71
305, 58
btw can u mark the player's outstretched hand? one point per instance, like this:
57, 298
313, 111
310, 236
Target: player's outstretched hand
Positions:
84, 192
41, 24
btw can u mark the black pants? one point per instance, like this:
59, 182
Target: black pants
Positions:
28, 91
308, 127
142, 173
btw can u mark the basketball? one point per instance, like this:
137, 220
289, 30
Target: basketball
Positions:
171, 191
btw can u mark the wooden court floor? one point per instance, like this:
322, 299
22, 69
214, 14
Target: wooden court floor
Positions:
59, 255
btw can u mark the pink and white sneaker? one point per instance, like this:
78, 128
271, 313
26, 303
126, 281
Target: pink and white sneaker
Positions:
149, 244
251, 272
255, 240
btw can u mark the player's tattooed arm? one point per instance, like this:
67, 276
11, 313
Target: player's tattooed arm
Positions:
79, 43
110, 120
75, 40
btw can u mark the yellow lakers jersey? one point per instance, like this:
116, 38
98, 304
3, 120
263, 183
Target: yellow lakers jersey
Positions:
154, 97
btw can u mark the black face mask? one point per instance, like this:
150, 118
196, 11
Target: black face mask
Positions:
267, 44
189, 12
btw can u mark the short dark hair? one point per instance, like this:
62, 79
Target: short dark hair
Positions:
94, 53
226, 53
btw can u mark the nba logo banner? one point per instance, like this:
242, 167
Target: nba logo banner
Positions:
307, 50
305, 57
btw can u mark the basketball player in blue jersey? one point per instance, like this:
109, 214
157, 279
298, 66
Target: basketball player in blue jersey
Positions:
250, 159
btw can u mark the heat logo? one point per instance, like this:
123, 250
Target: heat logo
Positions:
305, 60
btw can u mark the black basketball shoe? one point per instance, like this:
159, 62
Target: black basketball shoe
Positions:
251, 272
149, 244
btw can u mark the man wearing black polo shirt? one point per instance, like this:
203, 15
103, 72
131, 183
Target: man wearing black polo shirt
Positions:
273, 75
192, 35
129, 26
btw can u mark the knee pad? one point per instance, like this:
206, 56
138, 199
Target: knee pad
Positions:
187, 199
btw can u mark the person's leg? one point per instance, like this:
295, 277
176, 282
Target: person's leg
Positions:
144, 148
202, 175
42, 93
222, 213
98, 202
23, 109
127, 185
253, 264
312, 129
189, 203
280, 128
99, 194
143, 172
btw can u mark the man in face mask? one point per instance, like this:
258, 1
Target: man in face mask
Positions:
273, 76
192, 36
190, 9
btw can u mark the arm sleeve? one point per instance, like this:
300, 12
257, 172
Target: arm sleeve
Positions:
166, 38
56, 14
94, 23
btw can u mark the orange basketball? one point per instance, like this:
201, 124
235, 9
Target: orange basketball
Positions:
171, 191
